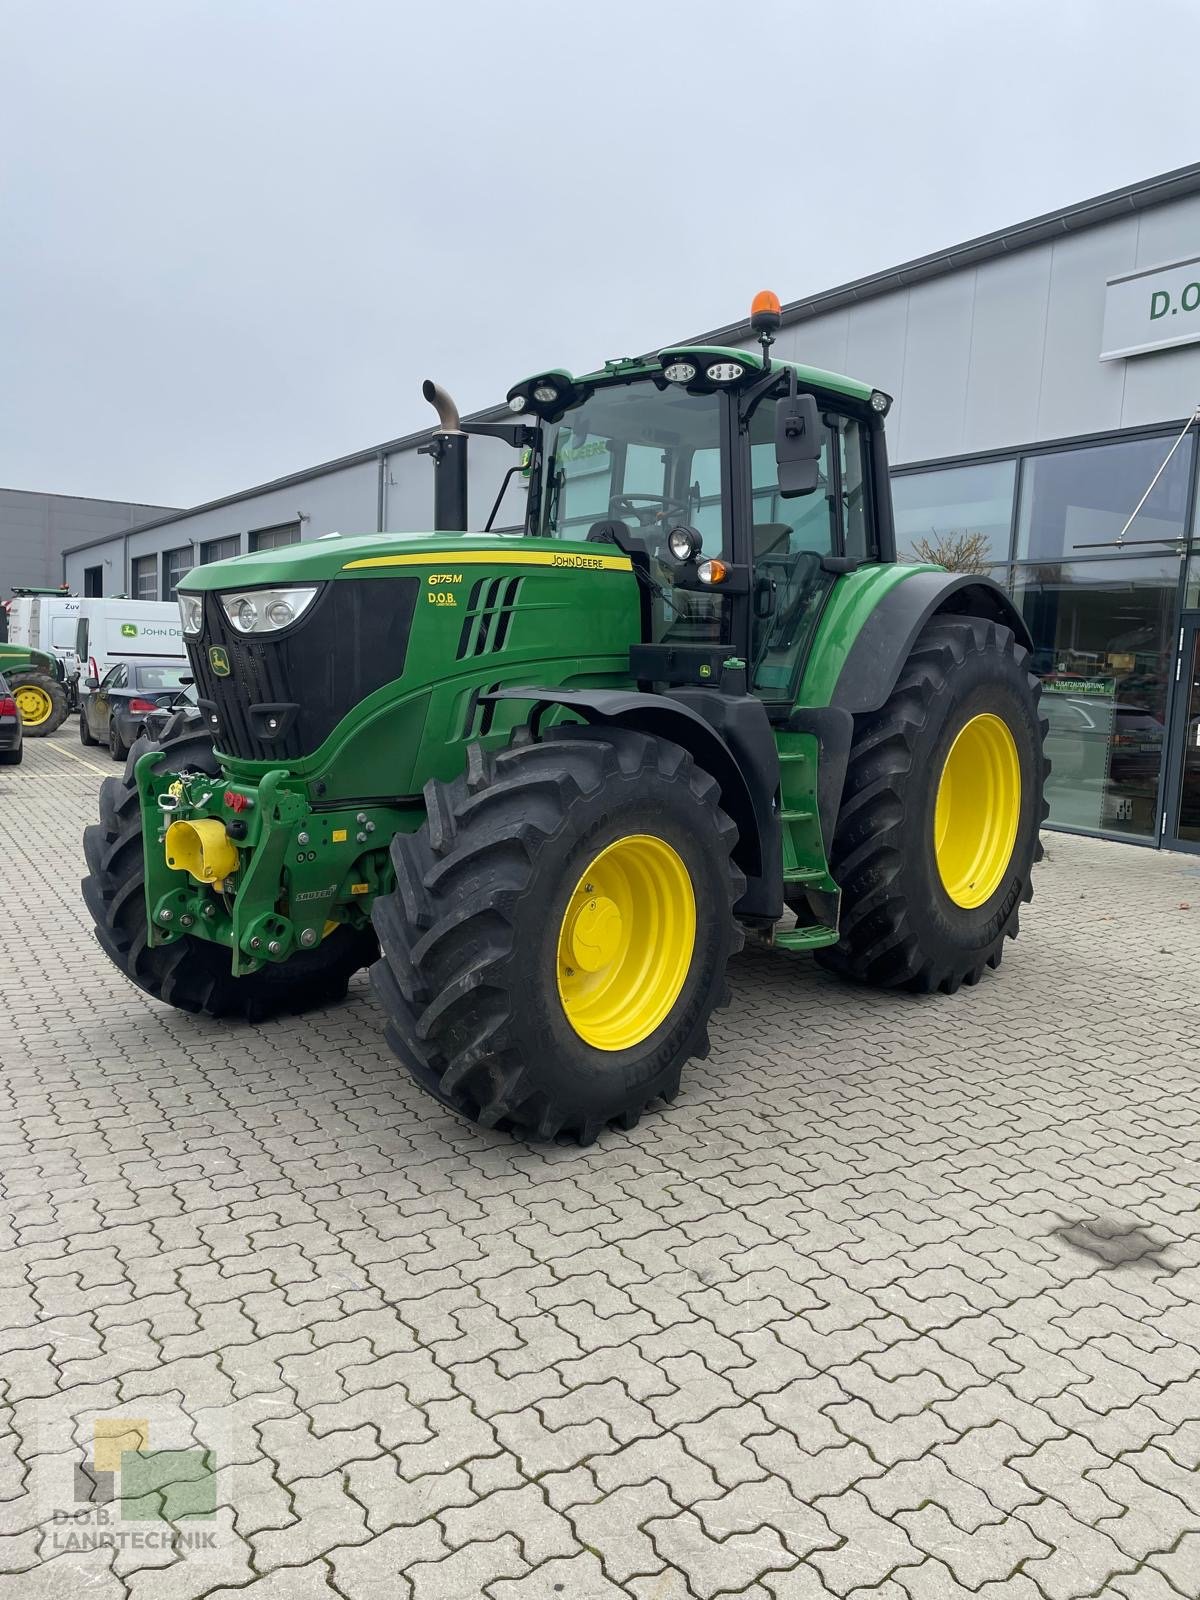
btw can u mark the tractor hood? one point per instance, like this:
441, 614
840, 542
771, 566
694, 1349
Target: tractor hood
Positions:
356, 555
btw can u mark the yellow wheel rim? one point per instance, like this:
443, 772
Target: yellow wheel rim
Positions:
626, 942
977, 811
34, 704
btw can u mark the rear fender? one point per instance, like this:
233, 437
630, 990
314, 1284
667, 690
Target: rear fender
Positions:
876, 658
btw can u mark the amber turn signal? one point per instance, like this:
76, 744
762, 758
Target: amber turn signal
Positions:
712, 571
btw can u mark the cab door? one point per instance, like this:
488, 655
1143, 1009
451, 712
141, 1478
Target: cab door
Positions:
792, 539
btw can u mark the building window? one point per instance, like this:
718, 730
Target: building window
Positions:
275, 538
1104, 648
1078, 501
1192, 594
176, 566
220, 549
93, 580
957, 516
144, 577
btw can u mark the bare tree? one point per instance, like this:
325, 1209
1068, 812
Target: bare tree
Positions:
957, 549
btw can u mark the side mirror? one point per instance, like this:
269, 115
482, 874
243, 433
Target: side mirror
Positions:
91, 683
799, 437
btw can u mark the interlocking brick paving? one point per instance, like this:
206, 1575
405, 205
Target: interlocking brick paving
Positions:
900, 1299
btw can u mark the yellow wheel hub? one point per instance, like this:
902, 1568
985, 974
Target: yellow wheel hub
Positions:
626, 941
977, 811
34, 704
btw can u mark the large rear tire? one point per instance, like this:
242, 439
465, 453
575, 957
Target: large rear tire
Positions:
41, 701
193, 974
938, 832
559, 932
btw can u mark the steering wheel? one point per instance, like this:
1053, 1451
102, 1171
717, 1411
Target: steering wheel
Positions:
661, 507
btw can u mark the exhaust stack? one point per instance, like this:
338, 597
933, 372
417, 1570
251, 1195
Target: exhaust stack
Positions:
448, 448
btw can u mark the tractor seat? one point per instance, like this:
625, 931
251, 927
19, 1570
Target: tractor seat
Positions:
771, 539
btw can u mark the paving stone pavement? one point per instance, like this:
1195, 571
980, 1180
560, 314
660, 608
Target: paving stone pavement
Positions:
900, 1300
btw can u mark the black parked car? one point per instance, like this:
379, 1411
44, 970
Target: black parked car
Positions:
115, 711
11, 748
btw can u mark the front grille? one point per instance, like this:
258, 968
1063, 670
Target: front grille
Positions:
284, 694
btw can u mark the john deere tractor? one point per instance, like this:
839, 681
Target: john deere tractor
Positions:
39, 687
543, 781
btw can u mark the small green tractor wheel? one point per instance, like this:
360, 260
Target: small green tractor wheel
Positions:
193, 974
938, 832
559, 932
41, 701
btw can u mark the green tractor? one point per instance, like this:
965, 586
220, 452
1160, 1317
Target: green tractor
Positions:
39, 687
544, 781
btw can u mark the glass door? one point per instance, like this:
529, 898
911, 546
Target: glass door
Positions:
1182, 830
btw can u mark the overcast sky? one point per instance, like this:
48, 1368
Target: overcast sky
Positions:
235, 235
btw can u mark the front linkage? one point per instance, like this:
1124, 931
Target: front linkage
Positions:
254, 867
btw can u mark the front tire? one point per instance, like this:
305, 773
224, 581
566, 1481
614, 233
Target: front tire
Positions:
116, 747
938, 832
559, 932
195, 974
86, 736
41, 701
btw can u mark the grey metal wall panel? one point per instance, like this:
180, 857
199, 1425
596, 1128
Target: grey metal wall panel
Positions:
1079, 393
1007, 333
35, 529
875, 351
109, 557
937, 361
820, 342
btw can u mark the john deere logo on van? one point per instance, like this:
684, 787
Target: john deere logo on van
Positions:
218, 660
129, 630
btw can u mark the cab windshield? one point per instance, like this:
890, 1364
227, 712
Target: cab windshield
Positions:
643, 460
635, 454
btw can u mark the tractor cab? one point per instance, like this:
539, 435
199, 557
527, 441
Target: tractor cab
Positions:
742, 489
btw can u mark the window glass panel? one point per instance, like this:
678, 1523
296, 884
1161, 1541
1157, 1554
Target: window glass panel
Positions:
1192, 595
656, 445
957, 516
1104, 648
144, 574
176, 565
852, 447
220, 550
799, 523
275, 538
790, 537
1079, 498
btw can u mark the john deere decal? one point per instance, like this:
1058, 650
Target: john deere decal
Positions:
218, 660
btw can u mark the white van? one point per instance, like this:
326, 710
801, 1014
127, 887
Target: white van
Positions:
47, 622
111, 631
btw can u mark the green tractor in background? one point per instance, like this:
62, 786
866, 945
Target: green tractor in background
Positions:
38, 684
545, 782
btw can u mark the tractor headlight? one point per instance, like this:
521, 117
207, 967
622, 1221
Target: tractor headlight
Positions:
680, 372
683, 543
266, 610
724, 371
191, 613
